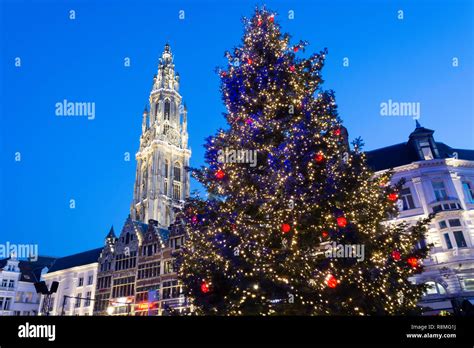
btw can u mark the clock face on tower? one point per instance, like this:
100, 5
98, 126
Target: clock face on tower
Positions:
173, 137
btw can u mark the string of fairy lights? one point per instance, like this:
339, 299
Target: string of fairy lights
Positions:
255, 246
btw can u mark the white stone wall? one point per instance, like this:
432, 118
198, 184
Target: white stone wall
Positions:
452, 268
69, 285
22, 296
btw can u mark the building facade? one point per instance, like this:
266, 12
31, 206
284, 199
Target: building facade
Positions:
161, 182
17, 291
439, 179
77, 277
116, 279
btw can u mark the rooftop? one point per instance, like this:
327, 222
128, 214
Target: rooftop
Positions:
80, 259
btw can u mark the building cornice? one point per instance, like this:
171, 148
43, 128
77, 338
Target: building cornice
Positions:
447, 162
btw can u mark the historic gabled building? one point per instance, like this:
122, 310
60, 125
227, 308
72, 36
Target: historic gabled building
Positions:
161, 183
105, 272
157, 288
117, 270
439, 179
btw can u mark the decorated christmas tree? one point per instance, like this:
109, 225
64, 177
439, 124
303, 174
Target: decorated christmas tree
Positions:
278, 235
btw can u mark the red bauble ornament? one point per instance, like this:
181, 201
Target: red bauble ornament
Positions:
205, 287
220, 174
285, 228
249, 121
319, 158
223, 74
259, 22
295, 49
271, 18
325, 234
341, 221
337, 132
249, 61
292, 68
396, 255
413, 261
392, 197
331, 281
194, 219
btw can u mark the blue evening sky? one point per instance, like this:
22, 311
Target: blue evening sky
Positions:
407, 60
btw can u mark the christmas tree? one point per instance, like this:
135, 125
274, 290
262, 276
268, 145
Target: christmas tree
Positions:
275, 235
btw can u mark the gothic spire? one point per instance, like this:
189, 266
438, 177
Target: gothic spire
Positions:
111, 233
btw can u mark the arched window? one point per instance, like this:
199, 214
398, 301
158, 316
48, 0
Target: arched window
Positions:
166, 126
166, 115
177, 172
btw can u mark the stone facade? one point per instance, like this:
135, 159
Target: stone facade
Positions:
439, 179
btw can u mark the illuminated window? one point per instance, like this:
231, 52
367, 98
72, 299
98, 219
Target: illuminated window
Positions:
469, 284
435, 289
176, 191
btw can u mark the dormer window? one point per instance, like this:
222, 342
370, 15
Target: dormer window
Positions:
425, 149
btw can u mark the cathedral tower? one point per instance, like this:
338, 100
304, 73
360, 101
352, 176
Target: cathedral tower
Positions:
161, 182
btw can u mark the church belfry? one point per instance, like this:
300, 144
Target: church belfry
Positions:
161, 181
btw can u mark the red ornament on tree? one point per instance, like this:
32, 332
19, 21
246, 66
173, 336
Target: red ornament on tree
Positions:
319, 158
249, 121
223, 74
337, 132
396, 255
249, 61
413, 262
295, 49
392, 197
325, 234
205, 287
292, 68
341, 221
220, 174
259, 22
331, 281
271, 18
285, 228
194, 219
